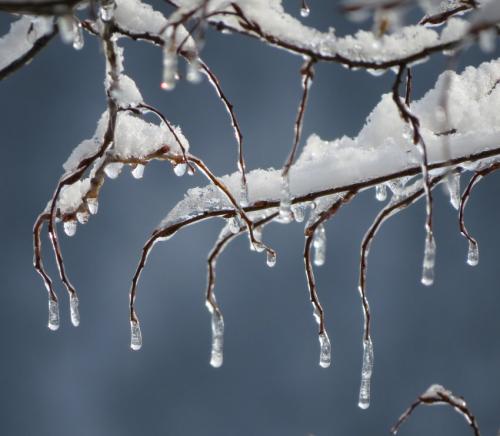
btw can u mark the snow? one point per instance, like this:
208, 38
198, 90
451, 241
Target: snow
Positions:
381, 147
19, 40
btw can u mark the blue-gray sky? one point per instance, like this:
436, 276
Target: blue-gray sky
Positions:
86, 381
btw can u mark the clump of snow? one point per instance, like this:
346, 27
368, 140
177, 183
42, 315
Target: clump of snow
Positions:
126, 93
70, 198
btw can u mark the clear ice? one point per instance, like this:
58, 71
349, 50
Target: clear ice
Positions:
53, 315
286, 215
75, 313
217, 354
429, 260
271, 258
366, 374
473, 254
319, 244
138, 171
325, 350
135, 335
180, 169
78, 40
381, 192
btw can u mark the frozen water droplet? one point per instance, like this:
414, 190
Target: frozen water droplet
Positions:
299, 212
169, 68
53, 315
70, 227
217, 339
381, 192
82, 216
429, 260
107, 10
453, 186
473, 254
75, 313
135, 335
93, 205
325, 350
67, 28
305, 11
244, 195
138, 171
366, 374
113, 169
271, 258
78, 40
180, 169
234, 224
193, 74
319, 244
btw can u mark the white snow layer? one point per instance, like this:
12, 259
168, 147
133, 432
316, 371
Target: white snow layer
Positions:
22, 35
382, 147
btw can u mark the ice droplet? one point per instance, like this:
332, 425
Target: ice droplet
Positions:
257, 234
53, 315
66, 25
325, 350
78, 40
305, 11
217, 353
299, 212
75, 313
135, 335
93, 205
82, 216
244, 195
319, 244
473, 254
70, 227
234, 224
138, 171
193, 74
107, 10
113, 169
453, 186
381, 192
366, 374
429, 260
169, 68
180, 169
285, 211
271, 258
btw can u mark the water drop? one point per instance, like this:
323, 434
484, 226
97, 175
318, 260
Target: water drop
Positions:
366, 374
473, 254
271, 258
299, 212
93, 205
70, 227
78, 40
135, 335
53, 315
138, 171
180, 169
305, 10
73, 307
325, 353
429, 260
381, 192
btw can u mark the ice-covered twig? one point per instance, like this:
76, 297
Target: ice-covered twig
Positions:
438, 395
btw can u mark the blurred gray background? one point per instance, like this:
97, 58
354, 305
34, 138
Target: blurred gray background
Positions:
86, 381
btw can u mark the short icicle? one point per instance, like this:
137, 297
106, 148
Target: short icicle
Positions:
325, 350
319, 244
286, 215
366, 374
135, 335
217, 353
473, 253
53, 315
453, 185
74, 312
429, 260
381, 192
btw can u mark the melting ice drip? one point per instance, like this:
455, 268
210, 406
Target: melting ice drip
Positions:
366, 374
319, 244
73, 307
217, 353
473, 254
135, 335
53, 315
429, 260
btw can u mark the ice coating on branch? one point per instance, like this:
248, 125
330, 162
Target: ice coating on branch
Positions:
379, 149
74, 312
453, 187
21, 36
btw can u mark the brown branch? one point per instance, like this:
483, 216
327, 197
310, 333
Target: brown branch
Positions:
437, 395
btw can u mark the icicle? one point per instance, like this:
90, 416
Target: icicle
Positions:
78, 40
299, 212
73, 308
429, 260
93, 205
487, 40
257, 233
67, 28
113, 169
135, 335
305, 10
180, 169
138, 171
366, 374
82, 216
319, 244
381, 192
325, 350
190, 170
244, 195
286, 201
193, 74
473, 254
169, 68
271, 259
53, 315
217, 355
107, 10
70, 227
453, 185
